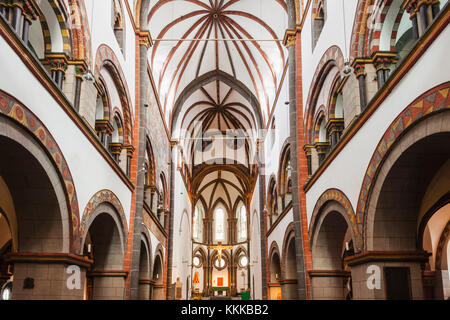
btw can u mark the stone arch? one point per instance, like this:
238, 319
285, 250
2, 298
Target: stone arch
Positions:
158, 273
12, 109
104, 241
33, 196
106, 58
283, 179
344, 207
80, 31
146, 238
289, 264
62, 17
274, 250
441, 251
240, 250
432, 102
358, 44
374, 36
274, 272
208, 78
145, 265
331, 58
90, 211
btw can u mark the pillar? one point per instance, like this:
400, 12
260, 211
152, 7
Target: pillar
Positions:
47, 276
108, 284
296, 130
133, 281
368, 272
58, 68
359, 69
145, 289
328, 284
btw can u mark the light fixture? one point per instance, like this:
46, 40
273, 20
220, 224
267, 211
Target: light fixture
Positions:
289, 167
347, 69
6, 292
88, 76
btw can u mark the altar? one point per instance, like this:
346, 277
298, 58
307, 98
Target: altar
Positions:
218, 291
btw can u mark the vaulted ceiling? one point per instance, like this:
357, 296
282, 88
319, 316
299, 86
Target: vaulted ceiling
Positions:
185, 48
218, 64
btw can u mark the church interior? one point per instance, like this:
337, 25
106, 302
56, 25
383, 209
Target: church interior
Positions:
224, 150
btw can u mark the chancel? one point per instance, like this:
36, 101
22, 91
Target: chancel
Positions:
224, 150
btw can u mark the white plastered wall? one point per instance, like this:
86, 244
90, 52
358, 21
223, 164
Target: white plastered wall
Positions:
90, 171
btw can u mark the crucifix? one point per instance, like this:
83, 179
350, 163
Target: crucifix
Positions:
219, 247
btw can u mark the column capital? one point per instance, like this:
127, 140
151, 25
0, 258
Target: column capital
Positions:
382, 60
335, 124
57, 61
173, 143
413, 6
116, 148
130, 149
30, 10
144, 38
359, 65
290, 36
321, 147
103, 126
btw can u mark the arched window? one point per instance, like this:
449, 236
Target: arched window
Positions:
116, 139
318, 21
219, 224
197, 221
242, 222
321, 141
118, 23
272, 202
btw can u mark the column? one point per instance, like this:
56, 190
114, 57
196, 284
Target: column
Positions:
103, 129
108, 284
30, 15
296, 129
116, 149
322, 150
382, 62
145, 289
232, 230
334, 129
361, 75
370, 278
328, 284
139, 161
423, 16
435, 8
130, 150
307, 149
17, 17
79, 71
58, 67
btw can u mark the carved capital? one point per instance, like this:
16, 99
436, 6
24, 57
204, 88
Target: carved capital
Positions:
145, 39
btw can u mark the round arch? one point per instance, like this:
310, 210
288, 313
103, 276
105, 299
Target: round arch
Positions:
341, 204
421, 117
20, 115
